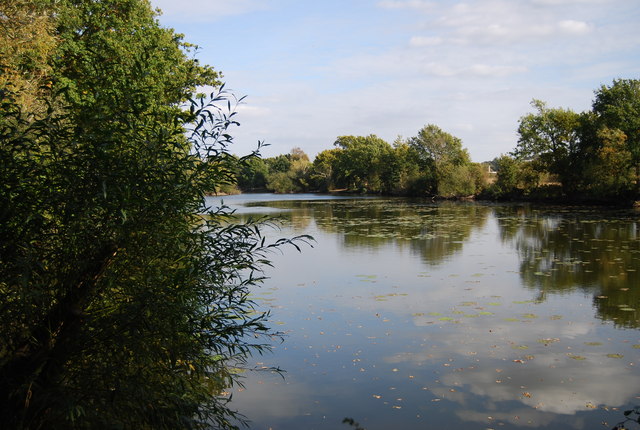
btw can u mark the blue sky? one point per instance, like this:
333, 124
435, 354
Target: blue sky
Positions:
316, 70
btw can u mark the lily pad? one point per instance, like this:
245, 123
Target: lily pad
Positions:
576, 357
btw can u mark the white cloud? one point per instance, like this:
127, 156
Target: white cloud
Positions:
491, 22
206, 11
570, 2
419, 41
495, 71
406, 63
410, 4
574, 27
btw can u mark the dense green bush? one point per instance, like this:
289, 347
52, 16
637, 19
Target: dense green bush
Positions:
123, 299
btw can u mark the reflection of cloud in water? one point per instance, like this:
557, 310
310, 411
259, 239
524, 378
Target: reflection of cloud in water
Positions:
521, 417
566, 388
562, 376
465, 328
259, 404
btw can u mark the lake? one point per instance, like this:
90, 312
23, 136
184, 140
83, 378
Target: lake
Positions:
408, 314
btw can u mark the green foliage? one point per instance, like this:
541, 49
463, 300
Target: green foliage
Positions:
617, 107
323, 174
596, 154
444, 155
286, 173
591, 155
457, 181
252, 175
361, 164
27, 41
124, 300
404, 174
550, 138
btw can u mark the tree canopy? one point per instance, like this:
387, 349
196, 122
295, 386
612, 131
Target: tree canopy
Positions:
124, 299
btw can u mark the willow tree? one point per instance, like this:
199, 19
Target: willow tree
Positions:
123, 299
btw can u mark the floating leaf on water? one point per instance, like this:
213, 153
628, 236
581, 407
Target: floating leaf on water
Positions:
511, 319
519, 347
636, 346
417, 314
485, 313
615, 355
555, 317
494, 304
471, 315
468, 303
434, 314
548, 340
530, 316
576, 357
523, 302
445, 319
593, 343
457, 312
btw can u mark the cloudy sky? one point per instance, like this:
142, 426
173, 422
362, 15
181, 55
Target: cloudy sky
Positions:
315, 70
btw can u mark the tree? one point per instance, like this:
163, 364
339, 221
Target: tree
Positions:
252, 175
551, 138
404, 175
27, 40
618, 108
443, 154
361, 161
438, 147
323, 173
124, 300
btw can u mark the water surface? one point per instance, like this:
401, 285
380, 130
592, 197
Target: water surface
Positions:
413, 315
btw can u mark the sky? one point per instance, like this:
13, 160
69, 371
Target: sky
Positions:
315, 70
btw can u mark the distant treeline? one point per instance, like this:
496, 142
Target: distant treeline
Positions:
593, 155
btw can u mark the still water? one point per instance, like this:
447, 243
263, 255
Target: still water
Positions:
412, 315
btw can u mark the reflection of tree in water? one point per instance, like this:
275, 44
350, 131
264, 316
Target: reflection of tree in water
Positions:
296, 214
591, 250
434, 231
